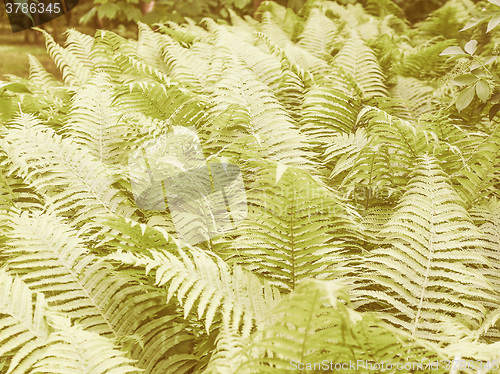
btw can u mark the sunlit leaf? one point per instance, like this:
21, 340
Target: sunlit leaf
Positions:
474, 22
451, 51
493, 23
464, 79
465, 98
483, 90
471, 47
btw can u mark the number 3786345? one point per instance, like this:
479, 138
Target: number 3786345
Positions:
32, 7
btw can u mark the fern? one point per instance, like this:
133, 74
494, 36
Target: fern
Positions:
74, 71
199, 279
95, 123
72, 350
339, 122
358, 60
430, 267
275, 241
423, 60
25, 326
319, 33
88, 290
416, 96
316, 324
36, 336
72, 183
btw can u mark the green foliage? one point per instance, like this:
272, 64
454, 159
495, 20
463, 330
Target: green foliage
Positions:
422, 265
316, 323
127, 12
370, 160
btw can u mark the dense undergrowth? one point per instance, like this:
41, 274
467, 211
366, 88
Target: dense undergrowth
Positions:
370, 161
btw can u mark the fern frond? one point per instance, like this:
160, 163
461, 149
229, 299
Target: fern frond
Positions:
416, 96
293, 81
430, 268
315, 324
487, 219
358, 60
319, 34
343, 151
15, 193
445, 21
49, 256
74, 71
95, 123
327, 112
166, 100
147, 42
106, 46
183, 65
235, 300
183, 34
72, 350
269, 122
383, 8
270, 26
424, 60
80, 45
477, 178
25, 326
71, 179
39, 76
295, 229
383, 165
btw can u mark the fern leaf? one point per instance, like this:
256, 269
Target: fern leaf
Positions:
49, 256
73, 350
319, 33
39, 76
94, 121
25, 328
415, 95
203, 282
315, 324
75, 181
358, 60
430, 267
73, 70
295, 230
270, 124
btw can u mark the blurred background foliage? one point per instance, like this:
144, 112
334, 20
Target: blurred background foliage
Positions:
113, 13
122, 16
124, 11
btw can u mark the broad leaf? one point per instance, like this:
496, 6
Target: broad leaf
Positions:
483, 90
493, 23
471, 47
465, 98
452, 51
464, 79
